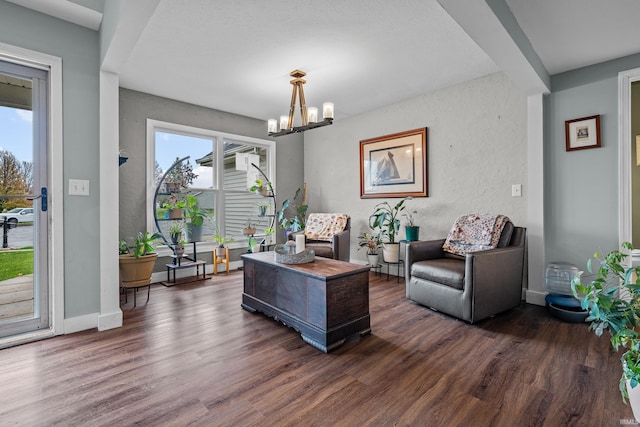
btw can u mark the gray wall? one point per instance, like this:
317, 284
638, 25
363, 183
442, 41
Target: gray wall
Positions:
581, 187
137, 107
477, 148
78, 48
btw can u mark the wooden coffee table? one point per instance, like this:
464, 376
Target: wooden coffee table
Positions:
326, 300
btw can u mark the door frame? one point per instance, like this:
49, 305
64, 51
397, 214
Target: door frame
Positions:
55, 258
625, 218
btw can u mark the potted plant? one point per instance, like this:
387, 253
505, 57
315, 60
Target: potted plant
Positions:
174, 206
180, 176
411, 230
292, 216
372, 242
178, 248
385, 219
175, 231
196, 217
136, 262
262, 187
613, 303
249, 228
220, 242
262, 208
252, 244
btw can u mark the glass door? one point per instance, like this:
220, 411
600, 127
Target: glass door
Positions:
24, 284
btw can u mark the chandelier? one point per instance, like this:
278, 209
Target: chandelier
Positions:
309, 116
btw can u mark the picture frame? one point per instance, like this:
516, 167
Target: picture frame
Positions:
394, 165
582, 133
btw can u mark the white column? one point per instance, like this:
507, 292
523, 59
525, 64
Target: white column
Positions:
110, 314
535, 292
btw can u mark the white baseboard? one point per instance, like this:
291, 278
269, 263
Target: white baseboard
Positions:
535, 297
80, 323
110, 321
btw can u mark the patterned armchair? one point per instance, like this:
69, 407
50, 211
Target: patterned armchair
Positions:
328, 234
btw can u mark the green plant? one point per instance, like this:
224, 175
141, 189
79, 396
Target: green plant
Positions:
261, 185
220, 239
371, 241
181, 173
613, 304
143, 244
193, 211
176, 227
293, 214
123, 247
251, 244
385, 219
174, 202
409, 214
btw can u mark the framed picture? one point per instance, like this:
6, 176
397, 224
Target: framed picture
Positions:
394, 165
582, 133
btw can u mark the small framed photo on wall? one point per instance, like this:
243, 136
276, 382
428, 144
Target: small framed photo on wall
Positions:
582, 133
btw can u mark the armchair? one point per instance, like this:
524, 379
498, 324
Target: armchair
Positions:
470, 287
328, 234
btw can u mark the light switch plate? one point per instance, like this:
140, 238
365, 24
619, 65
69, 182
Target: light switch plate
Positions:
78, 187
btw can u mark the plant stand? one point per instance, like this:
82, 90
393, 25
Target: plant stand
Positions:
181, 262
220, 260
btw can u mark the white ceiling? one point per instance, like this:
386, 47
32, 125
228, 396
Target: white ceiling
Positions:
361, 54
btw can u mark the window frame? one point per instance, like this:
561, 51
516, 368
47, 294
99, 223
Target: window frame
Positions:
219, 137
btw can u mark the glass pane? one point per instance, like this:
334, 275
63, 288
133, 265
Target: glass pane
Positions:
198, 171
17, 289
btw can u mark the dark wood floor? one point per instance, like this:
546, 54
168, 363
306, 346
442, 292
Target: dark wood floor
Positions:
192, 356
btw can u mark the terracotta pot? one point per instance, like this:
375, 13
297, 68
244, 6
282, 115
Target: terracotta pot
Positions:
136, 272
175, 213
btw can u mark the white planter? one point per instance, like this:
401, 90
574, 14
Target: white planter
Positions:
391, 252
373, 259
634, 400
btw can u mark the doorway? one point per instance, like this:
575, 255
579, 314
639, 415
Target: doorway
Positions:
24, 275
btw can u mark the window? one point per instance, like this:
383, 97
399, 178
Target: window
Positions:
216, 169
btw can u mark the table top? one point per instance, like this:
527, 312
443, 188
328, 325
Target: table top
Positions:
322, 267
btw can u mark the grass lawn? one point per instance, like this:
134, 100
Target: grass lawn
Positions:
14, 263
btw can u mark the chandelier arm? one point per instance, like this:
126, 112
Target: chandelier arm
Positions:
292, 107
303, 105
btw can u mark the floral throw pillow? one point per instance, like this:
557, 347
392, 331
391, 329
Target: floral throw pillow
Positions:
475, 232
323, 226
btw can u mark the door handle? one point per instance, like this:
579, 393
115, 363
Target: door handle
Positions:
43, 196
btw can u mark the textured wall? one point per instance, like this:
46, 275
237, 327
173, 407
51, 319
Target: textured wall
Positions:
476, 151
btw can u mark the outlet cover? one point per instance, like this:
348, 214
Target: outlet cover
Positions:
516, 190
